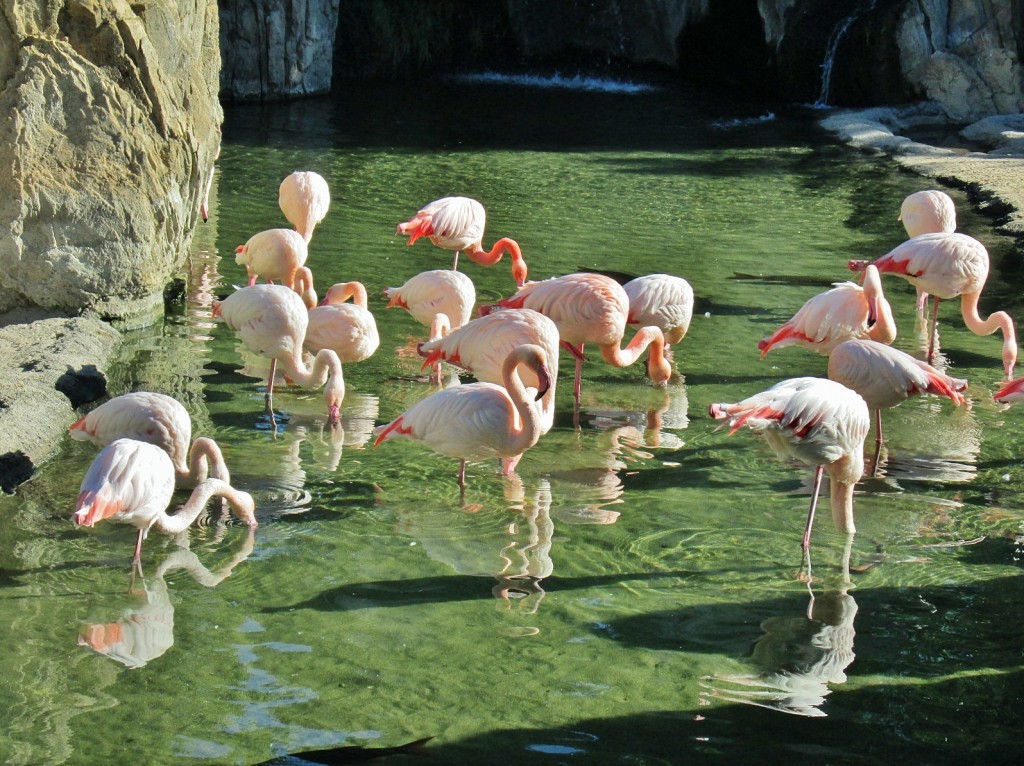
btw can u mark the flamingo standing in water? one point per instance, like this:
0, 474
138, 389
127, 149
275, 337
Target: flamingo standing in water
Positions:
304, 198
348, 329
885, 376
592, 308
479, 421
278, 255
817, 421
457, 223
158, 419
946, 265
662, 300
846, 311
483, 345
132, 482
271, 320
927, 212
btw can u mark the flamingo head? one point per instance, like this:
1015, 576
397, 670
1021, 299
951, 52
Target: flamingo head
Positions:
519, 271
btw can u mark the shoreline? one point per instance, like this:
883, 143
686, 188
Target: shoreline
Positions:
993, 180
50, 365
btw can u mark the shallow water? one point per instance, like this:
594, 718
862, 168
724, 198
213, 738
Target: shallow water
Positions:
632, 594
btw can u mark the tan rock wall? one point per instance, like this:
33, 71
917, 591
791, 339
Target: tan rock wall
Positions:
113, 126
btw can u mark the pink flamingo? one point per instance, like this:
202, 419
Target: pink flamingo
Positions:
278, 255
592, 308
457, 223
271, 320
817, 421
846, 311
946, 265
348, 329
885, 376
157, 419
132, 482
662, 300
304, 198
927, 212
431, 292
483, 345
479, 421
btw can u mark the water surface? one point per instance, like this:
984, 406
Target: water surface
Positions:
631, 595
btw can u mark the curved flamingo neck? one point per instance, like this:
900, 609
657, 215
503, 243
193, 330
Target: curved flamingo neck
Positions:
998, 320
302, 284
241, 504
658, 367
477, 254
205, 459
342, 291
841, 500
529, 432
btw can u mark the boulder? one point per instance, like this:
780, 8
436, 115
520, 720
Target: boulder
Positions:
112, 127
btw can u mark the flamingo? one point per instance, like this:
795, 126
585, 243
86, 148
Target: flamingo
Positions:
846, 311
662, 300
457, 223
431, 292
927, 212
946, 265
348, 329
479, 420
158, 419
592, 308
271, 320
817, 421
278, 255
885, 376
482, 345
304, 198
132, 482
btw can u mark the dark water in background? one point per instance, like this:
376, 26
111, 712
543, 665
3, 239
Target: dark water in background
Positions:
631, 596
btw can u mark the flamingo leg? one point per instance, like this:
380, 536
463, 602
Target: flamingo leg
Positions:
878, 427
455, 262
137, 560
270, 380
931, 331
806, 542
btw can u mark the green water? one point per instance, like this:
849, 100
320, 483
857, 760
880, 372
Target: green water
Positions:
632, 592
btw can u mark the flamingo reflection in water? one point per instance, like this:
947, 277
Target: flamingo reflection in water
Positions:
801, 656
146, 632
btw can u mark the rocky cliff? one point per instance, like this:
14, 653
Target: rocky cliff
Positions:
962, 54
112, 126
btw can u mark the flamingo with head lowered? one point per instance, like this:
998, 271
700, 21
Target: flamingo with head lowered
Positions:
271, 320
816, 421
132, 482
947, 265
457, 223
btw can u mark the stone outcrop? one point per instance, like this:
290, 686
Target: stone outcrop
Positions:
111, 126
277, 48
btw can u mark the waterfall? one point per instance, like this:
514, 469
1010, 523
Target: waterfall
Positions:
834, 39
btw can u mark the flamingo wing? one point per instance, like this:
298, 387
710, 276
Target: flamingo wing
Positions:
129, 481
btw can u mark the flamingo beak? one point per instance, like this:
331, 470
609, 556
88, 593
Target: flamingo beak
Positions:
543, 381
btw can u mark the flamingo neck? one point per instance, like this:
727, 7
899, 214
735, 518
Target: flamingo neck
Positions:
884, 328
326, 368
205, 459
522, 438
345, 290
658, 367
998, 320
477, 254
241, 504
302, 284
841, 500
